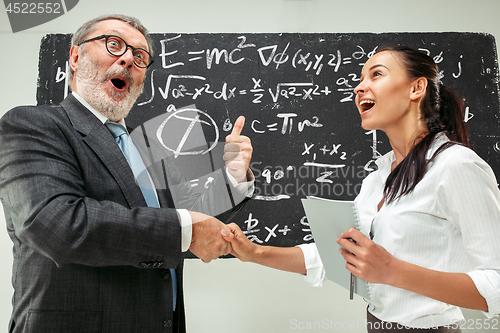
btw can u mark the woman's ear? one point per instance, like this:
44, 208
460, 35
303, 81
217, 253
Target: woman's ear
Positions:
419, 88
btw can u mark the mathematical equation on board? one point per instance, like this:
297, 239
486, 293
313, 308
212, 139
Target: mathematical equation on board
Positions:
275, 55
259, 233
192, 85
342, 88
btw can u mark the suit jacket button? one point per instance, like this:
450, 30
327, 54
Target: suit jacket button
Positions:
167, 323
144, 265
166, 274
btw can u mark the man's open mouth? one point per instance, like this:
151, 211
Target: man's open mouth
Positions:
118, 83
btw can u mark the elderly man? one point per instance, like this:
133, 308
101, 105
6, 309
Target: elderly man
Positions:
95, 248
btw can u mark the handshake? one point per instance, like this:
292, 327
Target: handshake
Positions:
212, 239
207, 242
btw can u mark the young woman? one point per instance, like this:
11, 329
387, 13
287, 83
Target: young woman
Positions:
430, 215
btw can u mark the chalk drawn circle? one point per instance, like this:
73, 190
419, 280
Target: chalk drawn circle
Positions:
497, 147
177, 151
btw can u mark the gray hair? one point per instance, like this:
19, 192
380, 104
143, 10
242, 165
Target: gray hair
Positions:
89, 27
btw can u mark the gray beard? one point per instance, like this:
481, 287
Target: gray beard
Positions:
113, 104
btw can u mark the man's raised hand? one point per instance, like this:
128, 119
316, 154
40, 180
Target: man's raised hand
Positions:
238, 152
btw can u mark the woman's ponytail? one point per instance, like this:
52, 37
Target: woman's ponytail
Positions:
451, 116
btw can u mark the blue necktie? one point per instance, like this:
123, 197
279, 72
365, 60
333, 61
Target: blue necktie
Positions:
142, 177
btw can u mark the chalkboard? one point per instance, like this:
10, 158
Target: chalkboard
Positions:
296, 92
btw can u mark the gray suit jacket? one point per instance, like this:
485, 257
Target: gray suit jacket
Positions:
89, 255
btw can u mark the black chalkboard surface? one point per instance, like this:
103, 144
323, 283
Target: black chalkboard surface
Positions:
296, 92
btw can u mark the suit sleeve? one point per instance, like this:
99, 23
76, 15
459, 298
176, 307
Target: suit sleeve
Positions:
45, 181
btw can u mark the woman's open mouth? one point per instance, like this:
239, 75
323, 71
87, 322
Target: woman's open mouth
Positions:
366, 105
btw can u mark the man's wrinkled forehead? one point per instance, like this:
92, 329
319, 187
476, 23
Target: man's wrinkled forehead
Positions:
121, 29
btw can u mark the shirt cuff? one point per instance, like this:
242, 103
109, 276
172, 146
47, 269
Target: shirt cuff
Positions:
488, 284
314, 266
244, 188
186, 228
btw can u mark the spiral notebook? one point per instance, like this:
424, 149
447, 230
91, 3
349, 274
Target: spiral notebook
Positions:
328, 219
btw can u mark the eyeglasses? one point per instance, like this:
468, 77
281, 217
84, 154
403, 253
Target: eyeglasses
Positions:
117, 47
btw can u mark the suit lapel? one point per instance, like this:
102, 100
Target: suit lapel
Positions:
100, 140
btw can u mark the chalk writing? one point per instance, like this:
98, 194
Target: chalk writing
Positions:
296, 92
193, 118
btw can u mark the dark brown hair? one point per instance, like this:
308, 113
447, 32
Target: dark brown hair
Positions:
443, 112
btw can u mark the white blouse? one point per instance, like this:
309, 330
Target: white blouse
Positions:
449, 223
